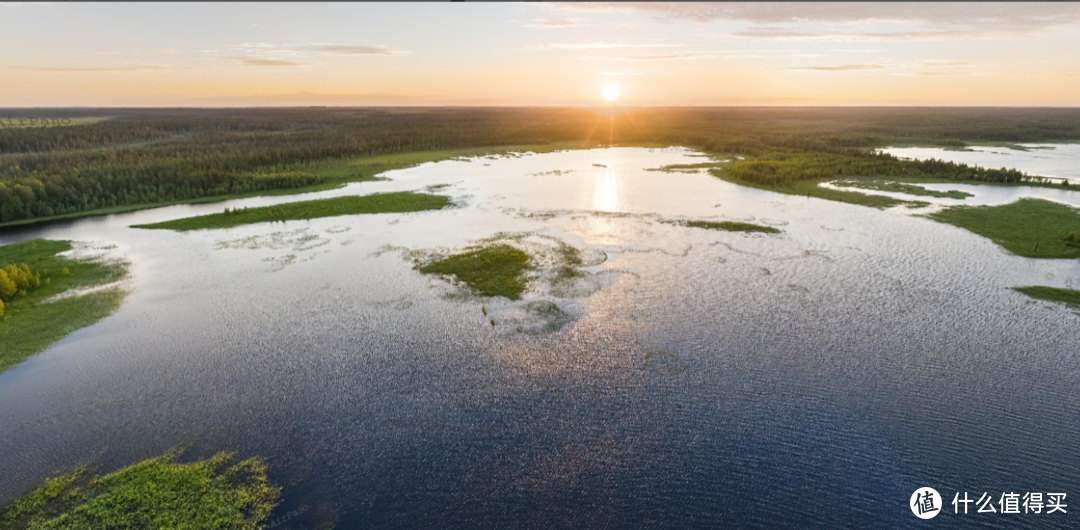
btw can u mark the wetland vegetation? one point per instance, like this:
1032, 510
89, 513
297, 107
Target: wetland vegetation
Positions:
900, 187
1033, 228
494, 270
1069, 297
733, 226
398, 202
156, 494
140, 158
34, 316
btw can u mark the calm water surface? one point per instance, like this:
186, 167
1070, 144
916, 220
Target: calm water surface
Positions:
829, 371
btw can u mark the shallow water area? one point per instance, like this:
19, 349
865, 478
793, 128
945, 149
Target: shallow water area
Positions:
687, 379
1044, 160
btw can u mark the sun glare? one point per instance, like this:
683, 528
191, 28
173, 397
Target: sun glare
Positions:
611, 92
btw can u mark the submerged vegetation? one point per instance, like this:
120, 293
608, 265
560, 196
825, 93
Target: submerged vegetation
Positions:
399, 202
900, 187
139, 158
32, 318
1033, 228
1068, 297
491, 270
156, 494
733, 226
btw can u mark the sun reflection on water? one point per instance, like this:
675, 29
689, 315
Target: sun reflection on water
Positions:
606, 191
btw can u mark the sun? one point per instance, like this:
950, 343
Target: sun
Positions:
611, 92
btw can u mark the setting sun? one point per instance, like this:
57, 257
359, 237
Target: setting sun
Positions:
611, 92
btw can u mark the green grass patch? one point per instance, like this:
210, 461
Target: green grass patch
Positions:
732, 226
399, 202
1033, 228
1068, 297
900, 187
30, 324
491, 271
156, 494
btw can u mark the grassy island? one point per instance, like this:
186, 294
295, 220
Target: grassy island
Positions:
1068, 297
31, 318
156, 494
1033, 228
400, 202
732, 226
491, 271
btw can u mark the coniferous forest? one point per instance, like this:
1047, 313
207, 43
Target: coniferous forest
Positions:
145, 156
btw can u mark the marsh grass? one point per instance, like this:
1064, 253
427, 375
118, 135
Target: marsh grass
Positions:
1068, 297
155, 494
1033, 228
398, 202
900, 187
732, 226
495, 270
32, 322
811, 188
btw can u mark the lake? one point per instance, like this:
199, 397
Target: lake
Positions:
706, 379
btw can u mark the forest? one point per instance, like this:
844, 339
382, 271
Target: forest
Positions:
133, 157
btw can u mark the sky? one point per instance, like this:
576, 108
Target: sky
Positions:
677, 54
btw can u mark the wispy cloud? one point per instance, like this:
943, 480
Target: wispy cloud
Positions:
599, 45
935, 67
1015, 16
855, 21
349, 49
838, 68
259, 61
556, 23
789, 34
650, 57
647, 71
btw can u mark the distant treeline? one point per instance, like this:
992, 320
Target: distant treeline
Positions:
139, 156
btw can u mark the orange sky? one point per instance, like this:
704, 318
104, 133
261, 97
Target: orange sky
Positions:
132, 54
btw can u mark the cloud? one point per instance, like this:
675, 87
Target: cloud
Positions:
599, 45
348, 49
988, 15
647, 71
555, 23
933, 65
850, 21
775, 33
839, 68
650, 57
937, 64
259, 61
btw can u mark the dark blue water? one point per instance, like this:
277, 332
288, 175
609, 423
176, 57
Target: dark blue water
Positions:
829, 371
